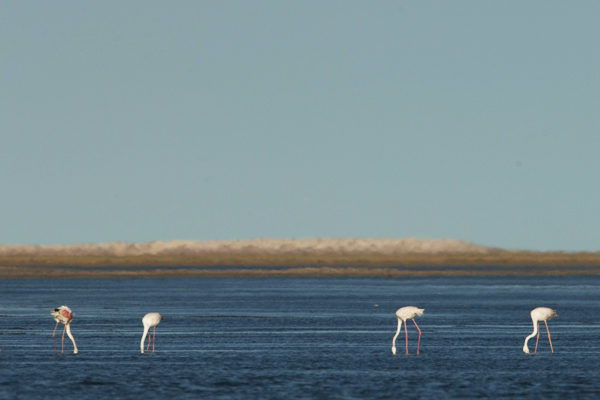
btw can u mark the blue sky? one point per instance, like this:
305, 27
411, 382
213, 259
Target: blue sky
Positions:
151, 120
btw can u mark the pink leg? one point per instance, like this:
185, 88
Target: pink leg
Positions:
537, 338
149, 340
63, 340
419, 342
406, 337
53, 337
550, 340
153, 341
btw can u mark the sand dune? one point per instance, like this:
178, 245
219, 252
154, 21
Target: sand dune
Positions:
313, 246
287, 257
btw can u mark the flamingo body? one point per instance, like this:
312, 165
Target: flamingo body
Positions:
404, 314
539, 314
150, 320
64, 315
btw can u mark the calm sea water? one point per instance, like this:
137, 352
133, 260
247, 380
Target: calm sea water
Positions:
300, 338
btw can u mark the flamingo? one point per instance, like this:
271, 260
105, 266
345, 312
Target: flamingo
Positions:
539, 314
150, 320
64, 315
404, 313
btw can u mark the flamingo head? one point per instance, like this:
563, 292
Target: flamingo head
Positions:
394, 350
525, 349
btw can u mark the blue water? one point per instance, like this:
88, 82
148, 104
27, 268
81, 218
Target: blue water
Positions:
300, 338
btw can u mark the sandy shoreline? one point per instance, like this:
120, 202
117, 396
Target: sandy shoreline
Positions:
287, 257
223, 265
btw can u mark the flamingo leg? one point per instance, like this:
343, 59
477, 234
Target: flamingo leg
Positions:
149, 340
550, 340
154, 341
406, 337
53, 337
63, 339
419, 342
537, 338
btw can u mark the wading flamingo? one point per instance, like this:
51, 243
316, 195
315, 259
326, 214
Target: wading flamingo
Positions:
150, 320
404, 313
64, 315
539, 314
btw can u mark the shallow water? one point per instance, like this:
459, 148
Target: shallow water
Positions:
300, 338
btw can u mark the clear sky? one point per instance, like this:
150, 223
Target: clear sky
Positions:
155, 120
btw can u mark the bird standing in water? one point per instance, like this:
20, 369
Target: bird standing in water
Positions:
64, 315
150, 320
539, 314
403, 314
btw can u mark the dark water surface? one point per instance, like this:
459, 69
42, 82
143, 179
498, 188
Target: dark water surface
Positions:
300, 338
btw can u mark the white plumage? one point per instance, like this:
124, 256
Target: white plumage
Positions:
403, 314
64, 315
539, 314
150, 320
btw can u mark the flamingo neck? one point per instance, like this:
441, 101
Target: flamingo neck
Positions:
396, 335
68, 329
535, 331
146, 328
